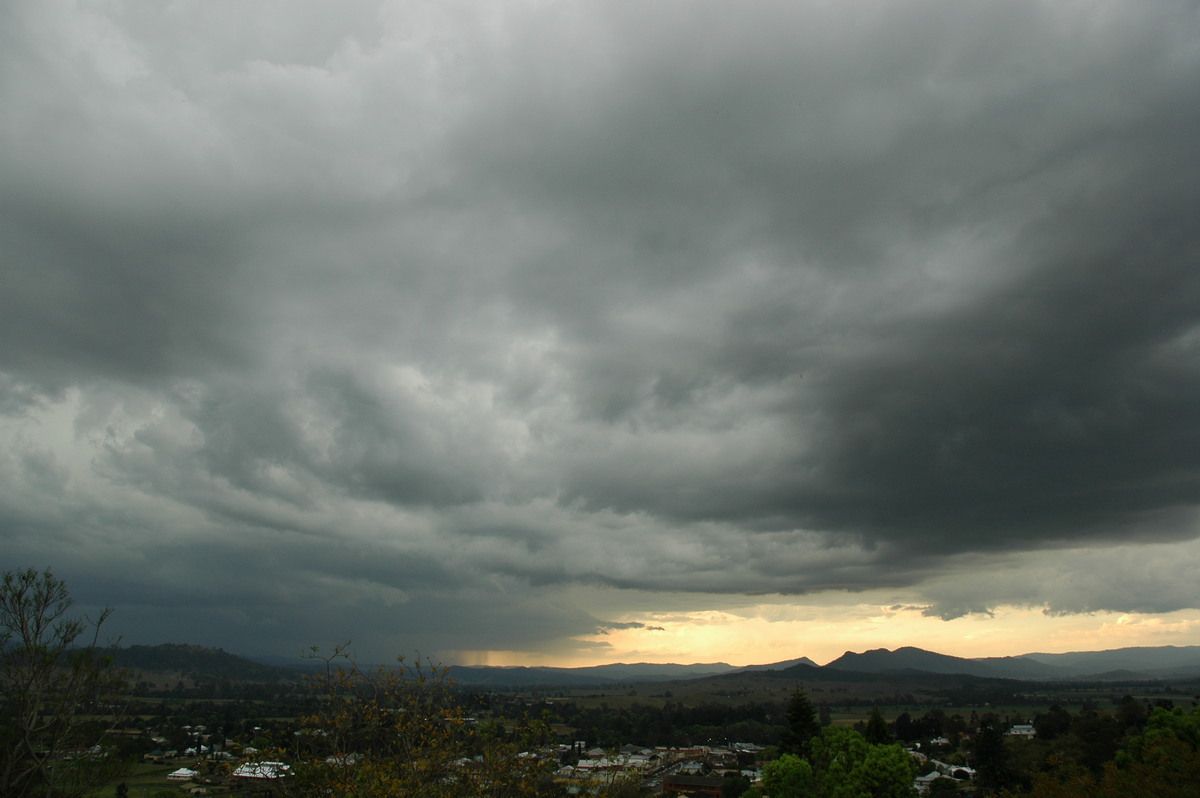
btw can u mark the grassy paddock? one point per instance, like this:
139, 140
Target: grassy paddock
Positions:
143, 780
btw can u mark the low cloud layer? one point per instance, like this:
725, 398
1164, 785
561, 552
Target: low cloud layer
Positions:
397, 322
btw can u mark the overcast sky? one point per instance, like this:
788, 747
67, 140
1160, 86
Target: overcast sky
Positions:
574, 332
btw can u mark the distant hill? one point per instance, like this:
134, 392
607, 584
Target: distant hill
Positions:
651, 672
491, 676
620, 673
1144, 663
1159, 660
182, 661
779, 666
173, 661
881, 660
1023, 667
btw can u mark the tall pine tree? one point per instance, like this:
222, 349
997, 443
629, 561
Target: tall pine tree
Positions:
802, 725
877, 729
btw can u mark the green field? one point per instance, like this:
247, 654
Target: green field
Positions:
148, 780
143, 781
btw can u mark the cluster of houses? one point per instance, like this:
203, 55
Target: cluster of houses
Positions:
678, 769
942, 771
693, 771
662, 768
260, 772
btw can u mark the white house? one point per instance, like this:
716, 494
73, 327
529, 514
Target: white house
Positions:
262, 770
923, 783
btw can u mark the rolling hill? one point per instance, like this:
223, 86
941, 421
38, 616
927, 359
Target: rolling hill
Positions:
178, 661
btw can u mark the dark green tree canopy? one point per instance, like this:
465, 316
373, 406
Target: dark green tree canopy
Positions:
802, 725
877, 729
842, 765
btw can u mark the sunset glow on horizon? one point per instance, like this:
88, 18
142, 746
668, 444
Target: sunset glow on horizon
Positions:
779, 632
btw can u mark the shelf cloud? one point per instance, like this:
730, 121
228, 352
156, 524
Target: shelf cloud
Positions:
396, 323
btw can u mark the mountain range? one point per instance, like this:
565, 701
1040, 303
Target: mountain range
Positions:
606, 674
1125, 663
1145, 663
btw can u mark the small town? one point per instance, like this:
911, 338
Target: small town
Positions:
215, 764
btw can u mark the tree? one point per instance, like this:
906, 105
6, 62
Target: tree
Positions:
1052, 724
55, 680
1095, 737
397, 731
802, 725
847, 766
734, 785
789, 776
877, 729
1162, 760
991, 756
1130, 714
843, 765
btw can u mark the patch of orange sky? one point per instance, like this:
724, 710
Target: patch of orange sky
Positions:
775, 632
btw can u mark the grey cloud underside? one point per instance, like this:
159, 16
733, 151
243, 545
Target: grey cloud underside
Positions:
784, 298
1010, 257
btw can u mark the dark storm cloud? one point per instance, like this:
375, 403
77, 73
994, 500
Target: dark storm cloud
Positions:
1050, 203
418, 314
1047, 393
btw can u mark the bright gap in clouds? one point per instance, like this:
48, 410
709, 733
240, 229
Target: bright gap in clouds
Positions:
781, 630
